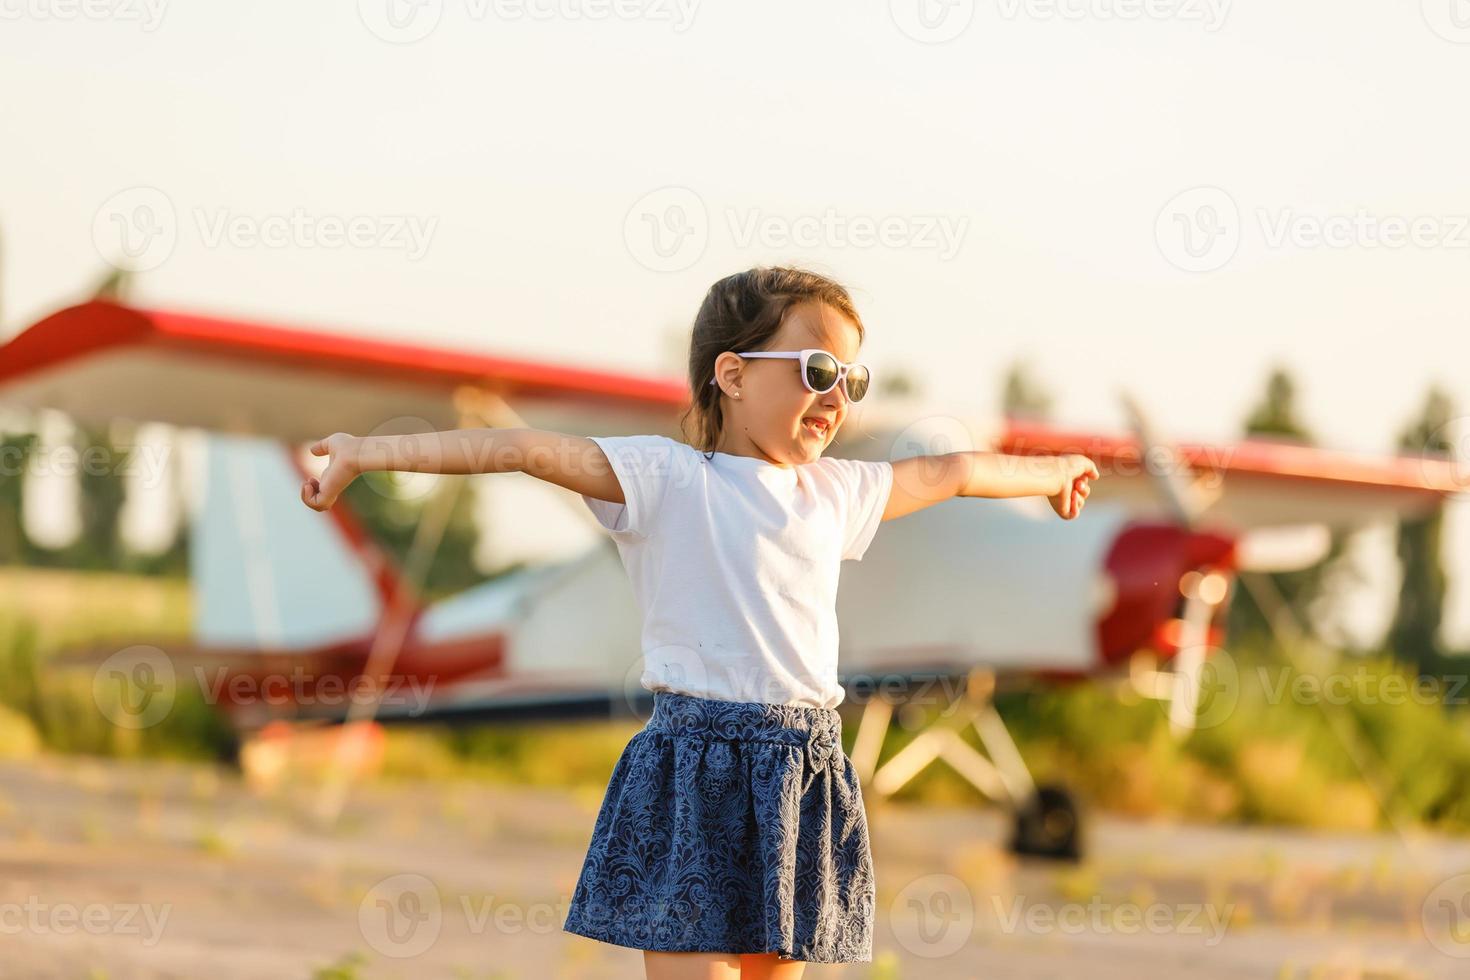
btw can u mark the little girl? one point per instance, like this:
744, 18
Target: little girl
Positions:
732, 840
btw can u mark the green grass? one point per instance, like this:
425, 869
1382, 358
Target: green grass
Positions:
1271, 758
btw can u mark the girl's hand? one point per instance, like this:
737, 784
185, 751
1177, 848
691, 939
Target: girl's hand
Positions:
342, 452
1075, 476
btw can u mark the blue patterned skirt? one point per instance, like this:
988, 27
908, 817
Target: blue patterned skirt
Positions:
733, 827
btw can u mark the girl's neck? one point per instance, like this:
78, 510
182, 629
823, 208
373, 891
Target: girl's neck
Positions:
744, 447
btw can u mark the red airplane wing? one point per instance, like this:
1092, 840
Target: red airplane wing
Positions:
100, 361
1259, 482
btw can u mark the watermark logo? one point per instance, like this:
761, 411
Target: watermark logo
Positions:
1218, 691
401, 916
1450, 19
1199, 229
1445, 916
677, 667
400, 21
932, 21
667, 230
933, 916
134, 688
136, 229
930, 438
415, 447
1455, 460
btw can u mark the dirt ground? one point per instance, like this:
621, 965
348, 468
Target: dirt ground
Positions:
122, 870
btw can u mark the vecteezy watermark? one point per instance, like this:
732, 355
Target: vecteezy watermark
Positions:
1200, 230
137, 229
145, 463
1445, 916
36, 917
939, 233
668, 230
932, 21
1360, 685
402, 916
937, 21
305, 689
1450, 19
406, 233
1098, 917
1286, 226
933, 916
1209, 13
407, 21
147, 14
1445, 455
137, 688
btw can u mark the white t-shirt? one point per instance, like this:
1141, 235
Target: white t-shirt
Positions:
734, 563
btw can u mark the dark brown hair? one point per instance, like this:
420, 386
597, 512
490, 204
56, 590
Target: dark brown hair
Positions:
744, 312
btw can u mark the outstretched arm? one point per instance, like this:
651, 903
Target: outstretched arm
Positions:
921, 481
570, 461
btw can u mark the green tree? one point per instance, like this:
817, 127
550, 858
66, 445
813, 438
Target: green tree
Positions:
392, 520
1414, 635
1022, 396
15, 454
1276, 417
100, 498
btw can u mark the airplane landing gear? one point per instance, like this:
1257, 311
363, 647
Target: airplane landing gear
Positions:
1048, 821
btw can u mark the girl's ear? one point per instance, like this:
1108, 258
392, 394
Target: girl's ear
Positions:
727, 372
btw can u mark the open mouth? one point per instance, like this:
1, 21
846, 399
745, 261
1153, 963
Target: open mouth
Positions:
815, 427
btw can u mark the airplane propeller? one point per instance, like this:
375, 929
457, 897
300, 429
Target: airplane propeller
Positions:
1186, 501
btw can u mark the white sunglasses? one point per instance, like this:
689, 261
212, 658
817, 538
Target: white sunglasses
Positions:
821, 372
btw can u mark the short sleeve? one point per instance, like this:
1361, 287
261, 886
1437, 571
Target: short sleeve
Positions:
644, 466
865, 485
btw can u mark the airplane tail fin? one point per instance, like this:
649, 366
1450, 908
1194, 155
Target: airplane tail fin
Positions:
269, 572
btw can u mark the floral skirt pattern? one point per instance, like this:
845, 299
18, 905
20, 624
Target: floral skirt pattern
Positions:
735, 827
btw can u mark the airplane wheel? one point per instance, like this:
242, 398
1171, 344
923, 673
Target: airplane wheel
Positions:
1049, 825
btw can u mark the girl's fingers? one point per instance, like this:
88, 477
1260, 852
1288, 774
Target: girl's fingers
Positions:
311, 493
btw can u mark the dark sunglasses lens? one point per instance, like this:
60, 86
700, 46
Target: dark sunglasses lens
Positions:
821, 372
857, 383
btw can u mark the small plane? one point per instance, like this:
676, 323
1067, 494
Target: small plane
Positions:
945, 602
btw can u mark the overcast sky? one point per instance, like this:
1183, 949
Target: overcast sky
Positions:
1168, 195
